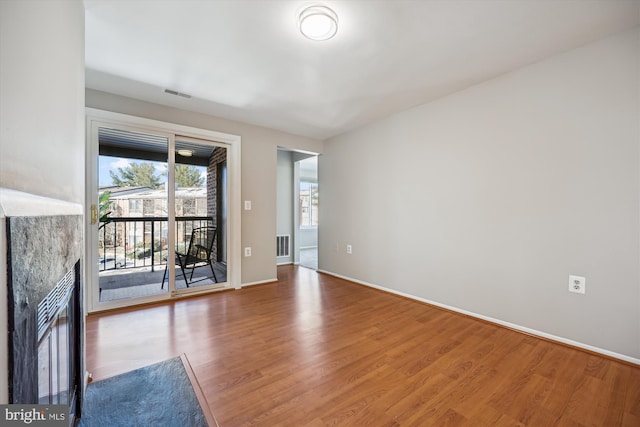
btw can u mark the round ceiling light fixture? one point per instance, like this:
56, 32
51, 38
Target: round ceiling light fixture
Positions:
185, 153
318, 22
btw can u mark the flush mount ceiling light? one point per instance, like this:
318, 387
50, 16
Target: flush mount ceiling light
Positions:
185, 153
318, 22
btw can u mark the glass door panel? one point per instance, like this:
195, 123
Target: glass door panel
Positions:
133, 214
200, 213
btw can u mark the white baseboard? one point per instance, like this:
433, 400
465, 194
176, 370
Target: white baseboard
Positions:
260, 282
493, 320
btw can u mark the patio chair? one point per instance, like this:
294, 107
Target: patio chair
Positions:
198, 255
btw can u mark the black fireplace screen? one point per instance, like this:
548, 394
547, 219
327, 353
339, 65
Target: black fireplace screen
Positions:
55, 338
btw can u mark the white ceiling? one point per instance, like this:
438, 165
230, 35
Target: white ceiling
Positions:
245, 60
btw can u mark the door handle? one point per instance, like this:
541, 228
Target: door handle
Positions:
94, 214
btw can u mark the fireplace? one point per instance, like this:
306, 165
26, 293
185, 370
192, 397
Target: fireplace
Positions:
44, 307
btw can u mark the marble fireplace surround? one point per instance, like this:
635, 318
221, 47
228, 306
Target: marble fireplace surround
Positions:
43, 242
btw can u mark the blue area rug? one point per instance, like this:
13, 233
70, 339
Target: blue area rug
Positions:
156, 395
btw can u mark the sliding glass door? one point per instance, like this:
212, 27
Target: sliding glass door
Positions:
159, 228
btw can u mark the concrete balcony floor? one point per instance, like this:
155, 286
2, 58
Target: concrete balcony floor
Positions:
123, 283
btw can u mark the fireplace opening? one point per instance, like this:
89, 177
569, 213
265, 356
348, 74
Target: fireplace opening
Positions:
58, 368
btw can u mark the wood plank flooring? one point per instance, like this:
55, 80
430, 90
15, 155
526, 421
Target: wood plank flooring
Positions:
313, 350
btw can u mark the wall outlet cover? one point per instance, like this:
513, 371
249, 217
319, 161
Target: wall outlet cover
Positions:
577, 284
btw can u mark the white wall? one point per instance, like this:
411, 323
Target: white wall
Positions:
41, 111
285, 199
488, 199
42, 84
308, 236
259, 171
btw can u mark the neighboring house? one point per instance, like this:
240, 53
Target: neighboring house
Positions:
148, 202
145, 202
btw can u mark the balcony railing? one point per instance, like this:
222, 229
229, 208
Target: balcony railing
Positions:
132, 242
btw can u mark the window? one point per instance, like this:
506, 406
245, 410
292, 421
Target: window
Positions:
308, 204
135, 207
201, 206
189, 207
160, 207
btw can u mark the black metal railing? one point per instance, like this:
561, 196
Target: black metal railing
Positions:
131, 242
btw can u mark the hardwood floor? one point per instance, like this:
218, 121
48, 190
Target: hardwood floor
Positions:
314, 350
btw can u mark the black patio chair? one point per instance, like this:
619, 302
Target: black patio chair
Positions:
198, 255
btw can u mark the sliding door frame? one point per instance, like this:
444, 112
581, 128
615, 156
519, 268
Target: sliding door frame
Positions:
96, 118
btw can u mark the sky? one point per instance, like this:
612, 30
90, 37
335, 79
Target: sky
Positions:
107, 163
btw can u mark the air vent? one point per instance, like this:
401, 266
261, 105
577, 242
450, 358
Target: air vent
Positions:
176, 93
283, 245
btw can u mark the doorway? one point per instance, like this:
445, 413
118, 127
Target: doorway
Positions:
297, 209
307, 214
161, 226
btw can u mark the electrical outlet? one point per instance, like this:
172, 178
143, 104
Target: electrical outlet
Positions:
577, 284
247, 251
247, 205
349, 249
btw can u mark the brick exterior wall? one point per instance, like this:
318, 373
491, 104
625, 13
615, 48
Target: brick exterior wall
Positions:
218, 156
